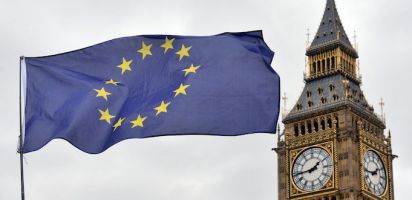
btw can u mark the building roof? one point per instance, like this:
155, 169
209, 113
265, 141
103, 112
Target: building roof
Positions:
331, 33
331, 92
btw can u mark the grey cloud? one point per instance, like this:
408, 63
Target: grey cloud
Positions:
188, 168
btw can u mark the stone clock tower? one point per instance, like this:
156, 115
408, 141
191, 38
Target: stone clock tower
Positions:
333, 145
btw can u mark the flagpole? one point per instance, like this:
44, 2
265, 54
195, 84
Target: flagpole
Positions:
21, 136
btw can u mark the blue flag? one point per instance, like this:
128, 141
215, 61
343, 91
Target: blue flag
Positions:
148, 86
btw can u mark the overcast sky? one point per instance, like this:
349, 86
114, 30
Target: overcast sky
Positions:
193, 167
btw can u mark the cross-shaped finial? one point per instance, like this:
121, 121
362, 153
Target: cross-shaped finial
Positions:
381, 104
355, 37
285, 100
307, 38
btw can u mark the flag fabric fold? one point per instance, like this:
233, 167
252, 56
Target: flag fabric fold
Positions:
148, 86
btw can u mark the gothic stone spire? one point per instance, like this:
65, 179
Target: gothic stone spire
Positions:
331, 33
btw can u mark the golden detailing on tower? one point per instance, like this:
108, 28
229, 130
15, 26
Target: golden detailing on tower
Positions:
333, 145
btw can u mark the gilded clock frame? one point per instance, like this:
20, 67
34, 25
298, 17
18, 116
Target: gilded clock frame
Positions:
293, 154
369, 143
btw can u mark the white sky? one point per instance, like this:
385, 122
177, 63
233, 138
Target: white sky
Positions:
193, 167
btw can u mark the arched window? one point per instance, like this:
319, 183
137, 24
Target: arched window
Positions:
333, 63
328, 64
316, 126
335, 97
331, 87
308, 94
318, 66
337, 122
345, 65
309, 124
302, 129
310, 104
314, 67
322, 124
296, 128
323, 66
323, 100
320, 90
329, 122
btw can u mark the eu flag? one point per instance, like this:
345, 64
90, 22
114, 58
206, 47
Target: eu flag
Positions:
148, 86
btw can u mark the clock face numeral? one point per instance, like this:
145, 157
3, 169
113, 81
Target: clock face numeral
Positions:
375, 173
312, 169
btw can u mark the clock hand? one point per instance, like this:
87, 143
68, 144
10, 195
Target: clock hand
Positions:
309, 170
325, 158
299, 173
373, 173
314, 168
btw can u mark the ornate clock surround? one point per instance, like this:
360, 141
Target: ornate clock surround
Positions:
329, 147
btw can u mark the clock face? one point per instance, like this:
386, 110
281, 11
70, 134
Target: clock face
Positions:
312, 169
375, 174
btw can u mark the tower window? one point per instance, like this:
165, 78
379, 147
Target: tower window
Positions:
323, 100
310, 104
328, 64
361, 97
337, 122
335, 97
303, 130
331, 88
329, 123
314, 67
320, 90
354, 92
308, 94
299, 107
316, 126
318, 66
296, 128
323, 66
309, 127
322, 124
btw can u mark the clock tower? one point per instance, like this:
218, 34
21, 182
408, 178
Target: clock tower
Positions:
334, 146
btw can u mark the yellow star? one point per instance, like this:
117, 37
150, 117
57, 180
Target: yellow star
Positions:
106, 115
102, 93
145, 50
168, 44
118, 123
138, 122
162, 108
181, 90
184, 51
191, 69
125, 66
111, 81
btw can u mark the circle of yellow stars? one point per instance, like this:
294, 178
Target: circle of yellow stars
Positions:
125, 66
